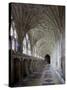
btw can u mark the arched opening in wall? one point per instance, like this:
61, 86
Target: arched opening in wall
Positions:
47, 58
13, 43
26, 45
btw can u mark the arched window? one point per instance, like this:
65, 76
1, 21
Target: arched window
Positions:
13, 44
29, 48
11, 31
26, 45
14, 37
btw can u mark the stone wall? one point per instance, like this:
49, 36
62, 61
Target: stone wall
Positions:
23, 66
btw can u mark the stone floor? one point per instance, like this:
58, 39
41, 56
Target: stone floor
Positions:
47, 76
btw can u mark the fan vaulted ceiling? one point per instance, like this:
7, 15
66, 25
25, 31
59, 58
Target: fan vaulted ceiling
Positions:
43, 23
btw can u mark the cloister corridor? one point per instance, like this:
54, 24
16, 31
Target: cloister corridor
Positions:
36, 44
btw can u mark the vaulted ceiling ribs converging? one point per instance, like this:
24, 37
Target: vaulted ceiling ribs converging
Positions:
42, 40
43, 23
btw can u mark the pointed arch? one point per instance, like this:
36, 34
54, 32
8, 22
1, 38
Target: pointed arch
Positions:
14, 37
26, 45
